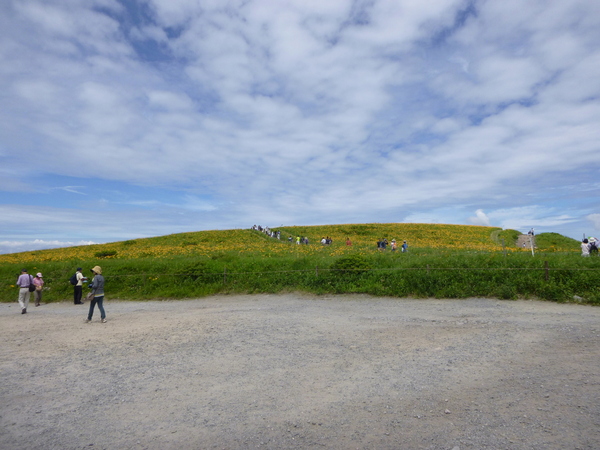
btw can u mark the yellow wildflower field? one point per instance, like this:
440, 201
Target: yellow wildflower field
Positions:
251, 242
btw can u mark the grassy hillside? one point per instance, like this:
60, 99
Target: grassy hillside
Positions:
443, 261
363, 237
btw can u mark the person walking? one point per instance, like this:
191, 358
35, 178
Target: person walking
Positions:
23, 283
78, 288
38, 282
404, 247
97, 287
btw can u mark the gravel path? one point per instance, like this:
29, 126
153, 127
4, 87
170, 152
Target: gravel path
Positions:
301, 372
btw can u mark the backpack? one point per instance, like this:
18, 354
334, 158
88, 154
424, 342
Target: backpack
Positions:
73, 279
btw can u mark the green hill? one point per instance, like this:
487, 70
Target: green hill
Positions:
446, 261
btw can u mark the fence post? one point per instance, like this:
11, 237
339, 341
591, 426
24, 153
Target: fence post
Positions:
546, 267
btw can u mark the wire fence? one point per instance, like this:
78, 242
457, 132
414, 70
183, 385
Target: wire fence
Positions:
320, 271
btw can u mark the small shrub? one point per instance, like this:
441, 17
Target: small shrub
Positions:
507, 292
105, 254
195, 270
352, 264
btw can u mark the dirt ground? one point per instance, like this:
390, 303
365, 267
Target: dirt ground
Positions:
301, 372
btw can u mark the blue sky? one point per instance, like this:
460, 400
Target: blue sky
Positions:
126, 119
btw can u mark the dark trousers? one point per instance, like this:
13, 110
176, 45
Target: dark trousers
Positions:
77, 294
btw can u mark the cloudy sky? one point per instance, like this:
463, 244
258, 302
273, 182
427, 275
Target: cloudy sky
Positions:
122, 119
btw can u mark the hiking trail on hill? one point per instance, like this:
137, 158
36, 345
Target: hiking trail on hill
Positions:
524, 241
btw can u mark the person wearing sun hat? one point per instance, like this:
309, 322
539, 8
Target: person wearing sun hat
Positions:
38, 282
97, 287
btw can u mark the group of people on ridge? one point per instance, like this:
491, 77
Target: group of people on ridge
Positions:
326, 240
589, 245
383, 243
267, 231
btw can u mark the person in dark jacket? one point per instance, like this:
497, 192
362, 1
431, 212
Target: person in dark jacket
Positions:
97, 287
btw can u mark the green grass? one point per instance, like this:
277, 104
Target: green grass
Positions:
556, 242
242, 261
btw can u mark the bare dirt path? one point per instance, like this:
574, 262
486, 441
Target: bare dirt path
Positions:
297, 372
525, 241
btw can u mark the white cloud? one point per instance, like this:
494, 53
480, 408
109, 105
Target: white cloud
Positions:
595, 219
480, 218
37, 244
311, 111
524, 218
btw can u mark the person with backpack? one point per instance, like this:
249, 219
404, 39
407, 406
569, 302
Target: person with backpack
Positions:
593, 242
77, 281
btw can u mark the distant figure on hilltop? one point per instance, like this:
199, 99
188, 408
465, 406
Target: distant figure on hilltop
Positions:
585, 248
404, 247
593, 245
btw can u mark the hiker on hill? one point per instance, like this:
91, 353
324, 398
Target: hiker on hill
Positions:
594, 245
404, 247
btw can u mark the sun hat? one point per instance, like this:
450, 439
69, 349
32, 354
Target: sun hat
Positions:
97, 270
39, 275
